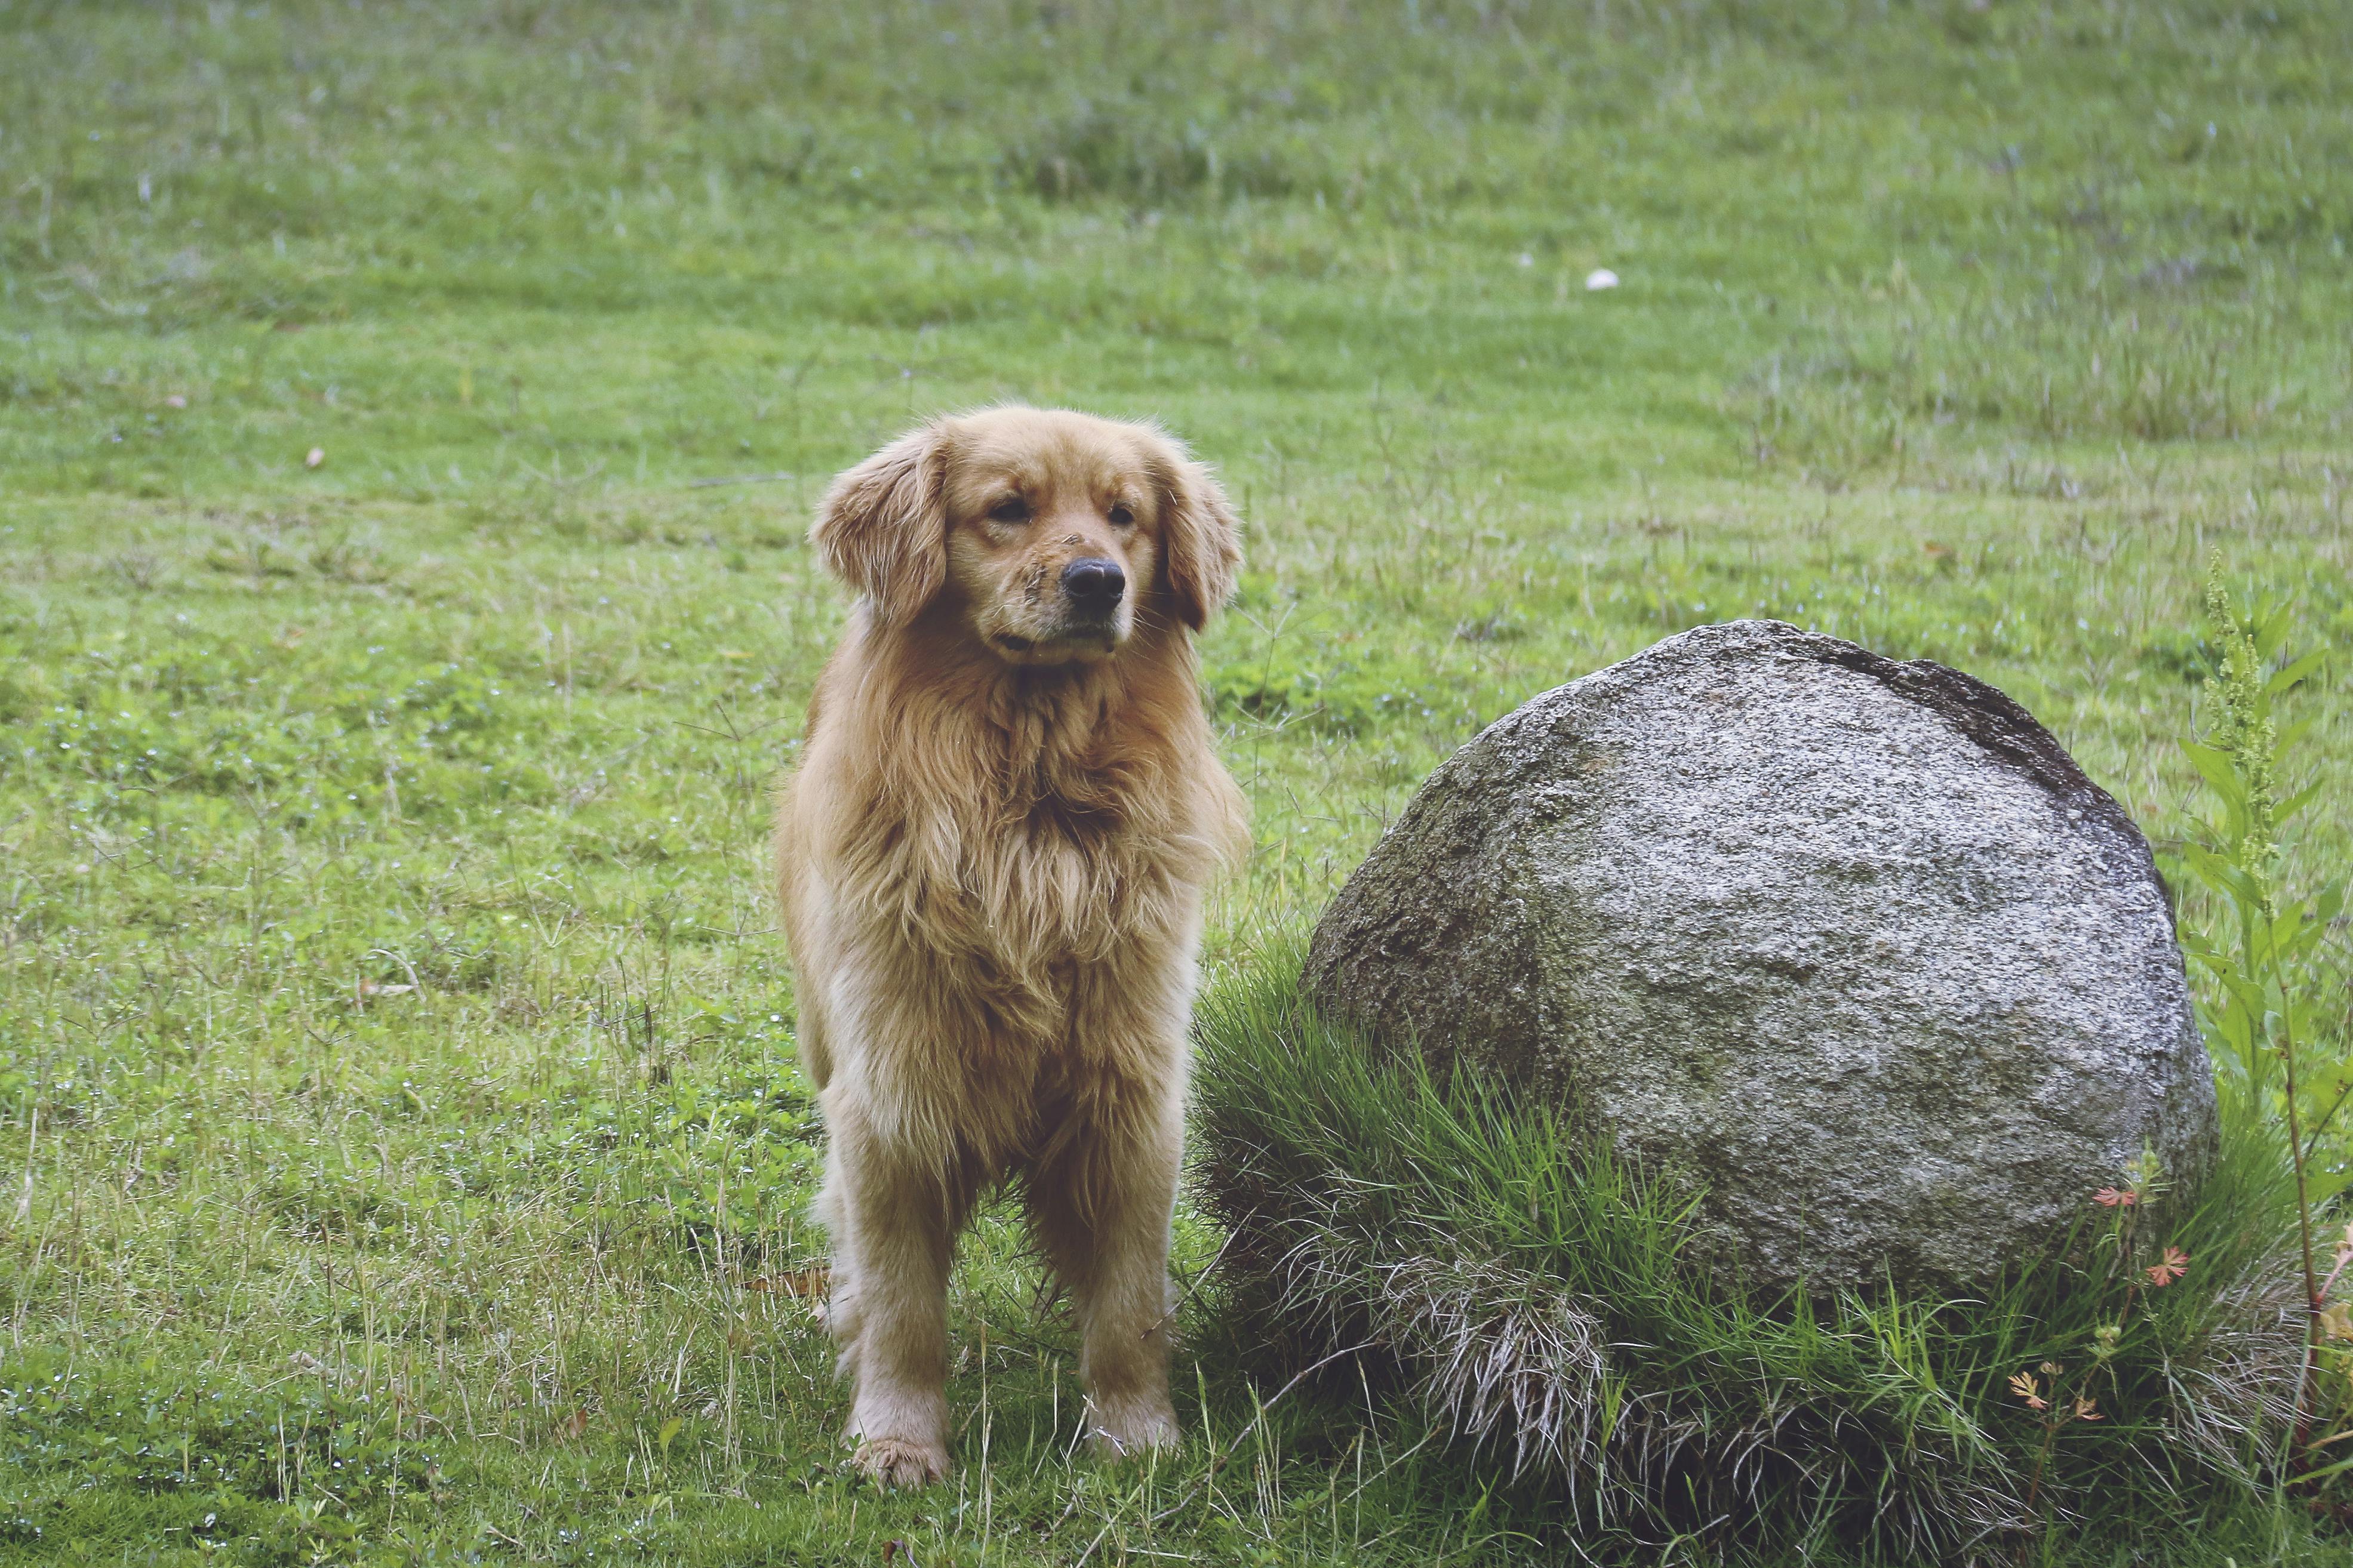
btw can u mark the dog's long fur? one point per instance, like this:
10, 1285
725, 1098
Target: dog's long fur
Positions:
992, 863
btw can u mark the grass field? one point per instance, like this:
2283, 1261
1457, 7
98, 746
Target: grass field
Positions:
409, 416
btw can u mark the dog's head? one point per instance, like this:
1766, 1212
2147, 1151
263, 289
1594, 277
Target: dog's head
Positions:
1051, 535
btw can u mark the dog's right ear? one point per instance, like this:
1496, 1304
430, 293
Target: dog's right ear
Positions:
883, 525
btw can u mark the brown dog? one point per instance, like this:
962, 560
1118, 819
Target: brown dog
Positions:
992, 863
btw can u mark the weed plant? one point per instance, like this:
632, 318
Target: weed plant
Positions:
2268, 1019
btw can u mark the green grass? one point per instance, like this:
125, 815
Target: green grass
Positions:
1954, 332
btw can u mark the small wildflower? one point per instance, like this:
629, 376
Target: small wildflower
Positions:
2115, 1197
2087, 1408
2051, 1369
2026, 1388
2175, 1264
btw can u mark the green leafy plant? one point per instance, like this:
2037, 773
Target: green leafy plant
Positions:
2266, 1017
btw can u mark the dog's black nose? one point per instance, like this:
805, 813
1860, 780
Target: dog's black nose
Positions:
1093, 583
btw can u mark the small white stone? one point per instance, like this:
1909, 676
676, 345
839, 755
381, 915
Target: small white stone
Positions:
1598, 279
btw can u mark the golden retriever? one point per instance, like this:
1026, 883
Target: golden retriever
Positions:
992, 862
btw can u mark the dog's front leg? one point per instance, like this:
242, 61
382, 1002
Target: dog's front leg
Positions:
1103, 1210
894, 1217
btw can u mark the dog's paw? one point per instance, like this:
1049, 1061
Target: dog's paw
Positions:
1124, 1432
901, 1461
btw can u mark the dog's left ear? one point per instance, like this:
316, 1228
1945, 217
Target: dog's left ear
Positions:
1200, 542
883, 527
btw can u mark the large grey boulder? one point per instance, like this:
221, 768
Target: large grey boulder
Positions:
1852, 945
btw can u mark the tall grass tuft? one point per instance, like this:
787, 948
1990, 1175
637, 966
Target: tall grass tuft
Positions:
1527, 1289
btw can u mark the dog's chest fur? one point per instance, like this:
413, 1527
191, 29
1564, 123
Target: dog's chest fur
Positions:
1029, 835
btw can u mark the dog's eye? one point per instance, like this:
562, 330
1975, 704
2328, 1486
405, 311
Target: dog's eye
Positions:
1121, 516
1012, 509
